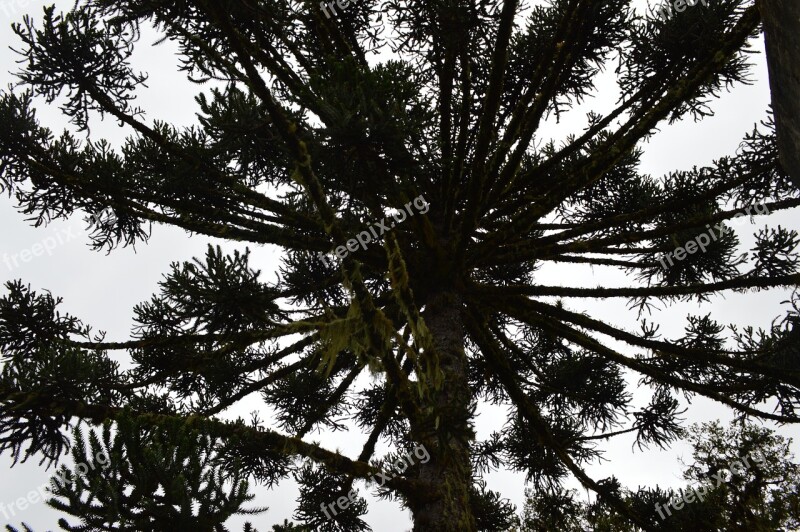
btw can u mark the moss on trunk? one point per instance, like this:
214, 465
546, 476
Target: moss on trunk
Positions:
449, 468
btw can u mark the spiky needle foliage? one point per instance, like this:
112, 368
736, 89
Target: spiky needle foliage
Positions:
742, 477
303, 140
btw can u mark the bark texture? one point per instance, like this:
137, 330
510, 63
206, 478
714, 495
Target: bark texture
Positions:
782, 35
450, 467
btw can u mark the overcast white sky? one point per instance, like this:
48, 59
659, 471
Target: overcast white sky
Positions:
102, 289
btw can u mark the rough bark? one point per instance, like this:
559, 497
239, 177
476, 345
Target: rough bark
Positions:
782, 35
449, 468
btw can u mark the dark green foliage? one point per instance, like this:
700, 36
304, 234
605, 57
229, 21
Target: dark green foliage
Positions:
492, 512
760, 494
150, 479
676, 46
317, 488
289, 527
303, 140
25, 528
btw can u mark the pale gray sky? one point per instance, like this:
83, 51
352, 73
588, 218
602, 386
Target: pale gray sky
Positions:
102, 289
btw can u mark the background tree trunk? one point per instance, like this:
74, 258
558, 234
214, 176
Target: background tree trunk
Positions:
449, 467
782, 35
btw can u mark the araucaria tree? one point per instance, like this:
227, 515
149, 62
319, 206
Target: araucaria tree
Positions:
305, 140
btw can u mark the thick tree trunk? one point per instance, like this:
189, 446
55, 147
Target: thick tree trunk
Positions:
782, 34
449, 467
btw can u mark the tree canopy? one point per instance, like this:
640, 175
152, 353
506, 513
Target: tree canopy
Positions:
757, 490
419, 123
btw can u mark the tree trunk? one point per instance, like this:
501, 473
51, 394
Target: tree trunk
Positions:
782, 35
449, 467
